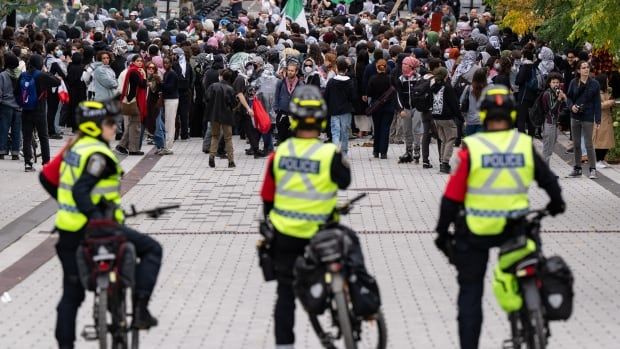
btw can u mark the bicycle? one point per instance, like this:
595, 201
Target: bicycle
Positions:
517, 285
106, 264
330, 248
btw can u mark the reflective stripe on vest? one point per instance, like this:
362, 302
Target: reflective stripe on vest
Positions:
69, 218
501, 170
305, 194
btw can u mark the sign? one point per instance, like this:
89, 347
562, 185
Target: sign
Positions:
164, 5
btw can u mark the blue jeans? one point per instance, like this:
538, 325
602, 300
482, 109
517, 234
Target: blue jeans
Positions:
159, 138
10, 121
268, 139
340, 131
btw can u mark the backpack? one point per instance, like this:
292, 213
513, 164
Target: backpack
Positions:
461, 85
536, 82
28, 98
421, 96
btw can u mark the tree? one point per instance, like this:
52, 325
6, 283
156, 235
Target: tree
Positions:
519, 15
597, 23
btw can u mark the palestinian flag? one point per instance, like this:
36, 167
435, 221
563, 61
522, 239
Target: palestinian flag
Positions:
293, 10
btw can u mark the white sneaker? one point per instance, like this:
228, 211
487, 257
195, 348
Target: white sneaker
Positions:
593, 174
601, 165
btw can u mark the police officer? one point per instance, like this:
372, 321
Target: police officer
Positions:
299, 194
490, 185
89, 185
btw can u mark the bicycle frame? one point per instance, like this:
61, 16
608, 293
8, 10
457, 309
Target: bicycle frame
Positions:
522, 265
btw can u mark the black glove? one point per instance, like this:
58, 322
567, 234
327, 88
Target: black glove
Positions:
445, 243
555, 207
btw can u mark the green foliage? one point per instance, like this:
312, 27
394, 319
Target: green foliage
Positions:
565, 22
558, 23
597, 23
614, 154
9, 6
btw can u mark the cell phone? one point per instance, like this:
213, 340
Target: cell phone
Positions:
562, 86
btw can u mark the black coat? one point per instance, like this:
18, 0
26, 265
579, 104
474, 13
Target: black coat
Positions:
75, 85
219, 103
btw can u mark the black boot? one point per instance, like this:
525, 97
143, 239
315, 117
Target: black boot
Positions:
416, 156
444, 167
405, 158
211, 161
142, 318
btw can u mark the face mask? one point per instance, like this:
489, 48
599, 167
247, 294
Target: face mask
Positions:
308, 69
130, 48
497, 66
447, 28
58, 53
446, 55
24, 51
250, 71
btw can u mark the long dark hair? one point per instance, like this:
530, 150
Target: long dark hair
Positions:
479, 82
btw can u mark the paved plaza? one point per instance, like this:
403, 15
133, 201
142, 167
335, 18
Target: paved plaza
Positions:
210, 293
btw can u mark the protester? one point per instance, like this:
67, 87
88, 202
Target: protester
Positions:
133, 98
220, 103
10, 112
378, 85
340, 96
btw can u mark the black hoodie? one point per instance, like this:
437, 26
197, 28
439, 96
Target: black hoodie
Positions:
44, 82
340, 95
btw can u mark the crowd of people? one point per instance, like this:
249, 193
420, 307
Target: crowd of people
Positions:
397, 79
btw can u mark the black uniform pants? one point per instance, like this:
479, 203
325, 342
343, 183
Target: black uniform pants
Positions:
471, 264
31, 120
286, 251
149, 252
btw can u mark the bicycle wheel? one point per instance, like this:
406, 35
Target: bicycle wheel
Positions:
538, 335
119, 321
533, 320
516, 330
371, 332
344, 320
135, 339
102, 318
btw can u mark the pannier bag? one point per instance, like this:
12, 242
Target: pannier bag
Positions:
309, 285
364, 292
124, 263
557, 289
506, 290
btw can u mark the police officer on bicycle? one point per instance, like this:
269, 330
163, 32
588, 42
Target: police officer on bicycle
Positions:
299, 194
485, 198
89, 190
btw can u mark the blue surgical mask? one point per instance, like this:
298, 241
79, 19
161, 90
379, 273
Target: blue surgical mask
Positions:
58, 53
130, 48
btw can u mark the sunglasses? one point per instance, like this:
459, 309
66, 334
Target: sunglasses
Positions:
152, 68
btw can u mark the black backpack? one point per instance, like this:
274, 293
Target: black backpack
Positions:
421, 96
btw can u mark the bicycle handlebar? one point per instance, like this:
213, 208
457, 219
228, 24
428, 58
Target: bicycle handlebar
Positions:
347, 206
152, 213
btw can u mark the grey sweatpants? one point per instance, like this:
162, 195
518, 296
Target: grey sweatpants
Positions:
584, 128
446, 130
550, 137
412, 124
